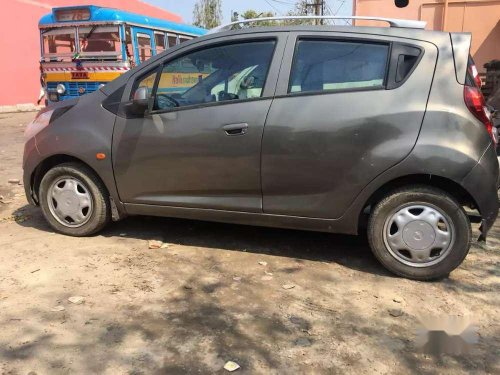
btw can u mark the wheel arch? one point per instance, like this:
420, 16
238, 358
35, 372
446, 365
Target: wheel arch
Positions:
457, 191
45, 165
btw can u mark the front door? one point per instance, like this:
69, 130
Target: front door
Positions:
144, 44
200, 144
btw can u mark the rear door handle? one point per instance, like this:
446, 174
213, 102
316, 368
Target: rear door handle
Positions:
236, 129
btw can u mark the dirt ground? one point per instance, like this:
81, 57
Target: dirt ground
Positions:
219, 292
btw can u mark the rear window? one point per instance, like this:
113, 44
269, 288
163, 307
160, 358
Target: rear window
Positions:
329, 65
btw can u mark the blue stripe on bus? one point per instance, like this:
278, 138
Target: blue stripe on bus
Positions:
98, 14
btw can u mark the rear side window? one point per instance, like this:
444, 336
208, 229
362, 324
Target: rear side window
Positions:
329, 65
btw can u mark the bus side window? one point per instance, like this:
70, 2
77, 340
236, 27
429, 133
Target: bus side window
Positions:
144, 46
172, 40
183, 39
129, 45
160, 42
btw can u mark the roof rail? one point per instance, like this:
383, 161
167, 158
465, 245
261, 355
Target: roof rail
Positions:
391, 21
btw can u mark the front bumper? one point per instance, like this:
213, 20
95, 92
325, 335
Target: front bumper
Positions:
482, 183
31, 158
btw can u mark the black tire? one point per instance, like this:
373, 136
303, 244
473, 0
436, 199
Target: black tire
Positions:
101, 213
454, 213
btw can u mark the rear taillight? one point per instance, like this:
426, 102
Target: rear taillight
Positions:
474, 100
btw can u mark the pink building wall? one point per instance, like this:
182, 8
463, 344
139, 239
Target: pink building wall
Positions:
480, 17
20, 42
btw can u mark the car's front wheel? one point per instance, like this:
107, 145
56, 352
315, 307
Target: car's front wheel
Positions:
74, 200
419, 232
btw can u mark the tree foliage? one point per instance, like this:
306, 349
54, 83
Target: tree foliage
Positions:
207, 13
301, 9
250, 14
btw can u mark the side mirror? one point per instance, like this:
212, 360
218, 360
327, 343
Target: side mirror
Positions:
140, 102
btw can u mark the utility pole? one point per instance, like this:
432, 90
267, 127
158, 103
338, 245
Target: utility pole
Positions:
319, 8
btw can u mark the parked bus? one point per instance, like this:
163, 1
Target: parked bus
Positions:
84, 47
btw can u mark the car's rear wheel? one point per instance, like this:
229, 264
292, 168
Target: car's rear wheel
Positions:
419, 232
74, 200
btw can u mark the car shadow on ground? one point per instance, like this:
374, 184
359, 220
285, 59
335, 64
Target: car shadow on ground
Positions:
352, 252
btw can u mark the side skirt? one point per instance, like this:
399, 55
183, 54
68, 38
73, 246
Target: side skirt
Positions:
342, 225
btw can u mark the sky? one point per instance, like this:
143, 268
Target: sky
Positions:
184, 8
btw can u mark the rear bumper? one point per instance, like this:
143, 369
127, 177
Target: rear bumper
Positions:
482, 183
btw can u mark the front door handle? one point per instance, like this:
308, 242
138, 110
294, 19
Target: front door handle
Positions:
236, 129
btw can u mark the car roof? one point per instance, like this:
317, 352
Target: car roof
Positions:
402, 32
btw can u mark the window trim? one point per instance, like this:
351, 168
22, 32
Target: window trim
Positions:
215, 45
387, 43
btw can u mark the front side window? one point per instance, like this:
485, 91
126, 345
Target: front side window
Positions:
324, 65
215, 74
144, 47
99, 40
59, 42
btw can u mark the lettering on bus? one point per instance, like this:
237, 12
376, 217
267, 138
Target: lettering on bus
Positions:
80, 75
188, 79
82, 14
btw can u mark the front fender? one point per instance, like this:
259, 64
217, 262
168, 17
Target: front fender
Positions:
80, 133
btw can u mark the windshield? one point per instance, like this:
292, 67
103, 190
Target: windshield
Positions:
59, 42
99, 41
94, 42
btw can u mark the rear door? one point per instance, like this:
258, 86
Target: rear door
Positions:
347, 108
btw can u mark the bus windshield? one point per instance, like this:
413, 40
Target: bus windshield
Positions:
99, 41
59, 42
94, 42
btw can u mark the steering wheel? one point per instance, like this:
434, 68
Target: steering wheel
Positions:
164, 101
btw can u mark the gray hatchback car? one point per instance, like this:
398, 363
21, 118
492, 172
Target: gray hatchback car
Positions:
321, 128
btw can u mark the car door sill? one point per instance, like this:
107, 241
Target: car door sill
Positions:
246, 218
